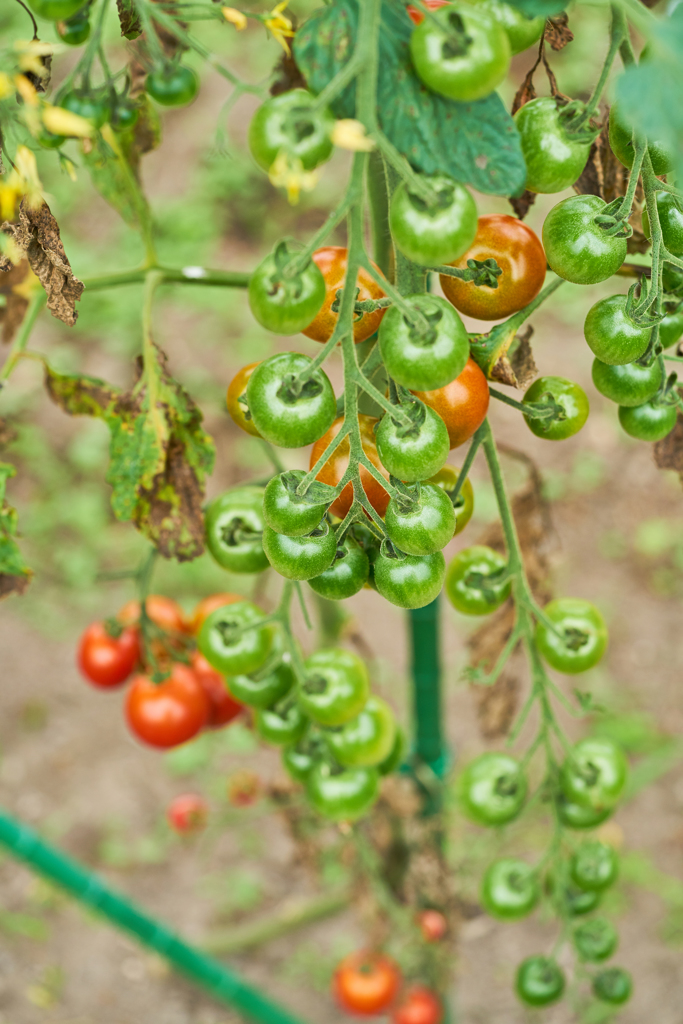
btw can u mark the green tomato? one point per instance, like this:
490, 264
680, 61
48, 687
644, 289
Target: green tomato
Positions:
342, 794
234, 530
649, 421
671, 328
594, 865
75, 30
285, 511
55, 10
570, 899
393, 762
577, 248
347, 574
408, 581
554, 157
579, 639
573, 815
301, 757
436, 233
460, 52
336, 686
419, 359
262, 691
284, 304
233, 642
493, 789
413, 452
285, 411
476, 582
595, 774
91, 106
571, 399
367, 740
509, 889
522, 32
283, 724
447, 479
421, 526
672, 279
173, 86
611, 334
614, 986
48, 140
621, 143
670, 220
539, 981
595, 940
289, 123
300, 558
125, 115
631, 384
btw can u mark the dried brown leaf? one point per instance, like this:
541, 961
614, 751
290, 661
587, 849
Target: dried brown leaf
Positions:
13, 287
287, 75
497, 705
36, 234
526, 91
557, 32
522, 204
668, 452
517, 367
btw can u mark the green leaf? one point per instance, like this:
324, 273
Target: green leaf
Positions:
475, 143
113, 176
536, 8
15, 575
159, 453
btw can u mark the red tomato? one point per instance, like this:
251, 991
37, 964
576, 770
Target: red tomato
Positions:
223, 707
519, 254
163, 611
210, 604
187, 813
236, 388
366, 983
168, 713
336, 466
462, 404
332, 261
244, 788
418, 1006
106, 660
417, 16
433, 925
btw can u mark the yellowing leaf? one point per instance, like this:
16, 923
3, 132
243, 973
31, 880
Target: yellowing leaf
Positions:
63, 122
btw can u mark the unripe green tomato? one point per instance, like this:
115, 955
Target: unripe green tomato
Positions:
595, 939
522, 32
300, 558
436, 233
336, 687
671, 328
424, 526
649, 421
287, 512
576, 247
611, 334
595, 774
554, 157
614, 986
283, 724
125, 115
565, 393
476, 583
173, 86
301, 757
75, 30
621, 143
540, 981
573, 815
233, 642
672, 279
367, 740
579, 638
398, 751
290, 123
670, 220
282, 304
414, 452
493, 789
424, 360
48, 140
234, 530
262, 691
570, 899
631, 384
287, 412
55, 10
447, 479
509, 889
347, 574
342, 794
91, 106
594, 865
408, 581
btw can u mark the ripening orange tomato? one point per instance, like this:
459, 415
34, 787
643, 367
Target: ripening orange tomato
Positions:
462, 404
163, 611
236, 389
335, 467
332, 261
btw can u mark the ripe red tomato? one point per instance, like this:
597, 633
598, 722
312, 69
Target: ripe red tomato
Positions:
168, 713
336, 466
366, 983
418, 1006
163, 611
223, 707
519, 254
462, 404
187, 813
106, 660
433, 925
236, 389
417, 16
208, 605
332, 261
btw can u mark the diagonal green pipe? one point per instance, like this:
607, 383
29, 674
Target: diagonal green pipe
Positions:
221, 982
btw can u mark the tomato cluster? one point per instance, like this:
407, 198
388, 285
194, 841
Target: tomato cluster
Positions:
371, 983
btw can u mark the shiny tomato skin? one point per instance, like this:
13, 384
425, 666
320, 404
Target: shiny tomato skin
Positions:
107, 661
462, 404
169, 713
517, 251
419, 1005
417, 16
223, 708
236, 389
163, 611
366, 983
187, 813
208, 605
334, 469
332, 261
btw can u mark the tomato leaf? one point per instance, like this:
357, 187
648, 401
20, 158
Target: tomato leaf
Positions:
159, 453
536, 8
128, 17
114, 177
15, 575
476, 143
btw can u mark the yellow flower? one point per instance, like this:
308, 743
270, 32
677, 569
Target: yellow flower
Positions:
26, 90
22, 181
6, 87
288, 172
235, 17
279, 25
63, 122
350, 134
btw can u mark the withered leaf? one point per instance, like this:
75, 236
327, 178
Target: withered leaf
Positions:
522, 204
7, 433
13, 287
668, 452
36, 235
517, 367
159, 455
287, 75
128, 18
526, 91
15, 575
557, 32
113, 176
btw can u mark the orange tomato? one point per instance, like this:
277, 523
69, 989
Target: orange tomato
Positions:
417, 16
462, 404
335, 467
222, 705
366, 983
163, 611
210, 604
236, 388
332, 261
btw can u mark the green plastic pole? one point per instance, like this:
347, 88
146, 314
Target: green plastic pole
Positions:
426, 671
221, 982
